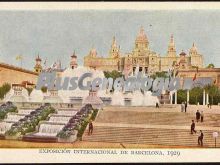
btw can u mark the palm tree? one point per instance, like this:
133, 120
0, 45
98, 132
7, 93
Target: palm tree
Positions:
196, 91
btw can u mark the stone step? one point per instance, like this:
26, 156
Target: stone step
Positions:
157, 118
149, 139
147, 136
193, 144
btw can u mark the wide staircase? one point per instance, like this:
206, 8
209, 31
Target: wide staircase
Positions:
152, 136
152, 128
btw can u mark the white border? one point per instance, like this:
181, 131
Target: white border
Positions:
109, 5
33, 155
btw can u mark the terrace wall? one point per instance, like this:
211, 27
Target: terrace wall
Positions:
15, 75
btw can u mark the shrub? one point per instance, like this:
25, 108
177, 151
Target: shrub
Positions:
44, 89
84, 123
29, 90
30, 125
4, 89
10, 109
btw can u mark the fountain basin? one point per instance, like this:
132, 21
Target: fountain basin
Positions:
14, 117
4, 127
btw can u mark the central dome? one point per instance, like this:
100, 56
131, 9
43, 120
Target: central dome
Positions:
142, 36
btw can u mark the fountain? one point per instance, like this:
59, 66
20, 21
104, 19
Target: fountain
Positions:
36, 96
105, 96
59, 119
14, 117
77, 96
127, 98
66, 112
5, 126
118, 98
93, 99
150, 100
53, 97
49, 129
137, 98
25, 111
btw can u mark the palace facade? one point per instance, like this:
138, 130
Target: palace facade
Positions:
142, 56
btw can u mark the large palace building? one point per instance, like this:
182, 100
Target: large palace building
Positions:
142, 56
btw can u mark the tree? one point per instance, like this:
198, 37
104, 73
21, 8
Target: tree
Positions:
4, 89
210, 66
196, 92
29, 90
44, 89
114, 74
181, 96
159, 74
212, 90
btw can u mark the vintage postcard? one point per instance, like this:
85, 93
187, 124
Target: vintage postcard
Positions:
109, 82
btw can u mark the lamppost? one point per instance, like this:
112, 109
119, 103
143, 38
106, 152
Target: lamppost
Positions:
215, 135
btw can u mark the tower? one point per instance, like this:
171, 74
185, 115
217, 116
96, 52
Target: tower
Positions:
38, 67
93, 53
193, 51
196, 58
73, 62
141, 42
171, 48
114, 51
182, 61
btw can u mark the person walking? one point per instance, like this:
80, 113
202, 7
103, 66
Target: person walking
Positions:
182, 107
200, 138
202, 116
193, 125
90, 128
157, 105
185, 106
197, 116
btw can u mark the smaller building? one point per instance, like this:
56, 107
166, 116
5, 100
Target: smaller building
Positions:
195, 73
27, 84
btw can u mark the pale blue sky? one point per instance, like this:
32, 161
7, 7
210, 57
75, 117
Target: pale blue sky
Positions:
56, 34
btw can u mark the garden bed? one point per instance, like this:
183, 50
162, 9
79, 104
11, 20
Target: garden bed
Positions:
29, 123
5, 109
81, 129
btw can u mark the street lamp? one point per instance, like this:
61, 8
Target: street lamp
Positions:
215, 135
